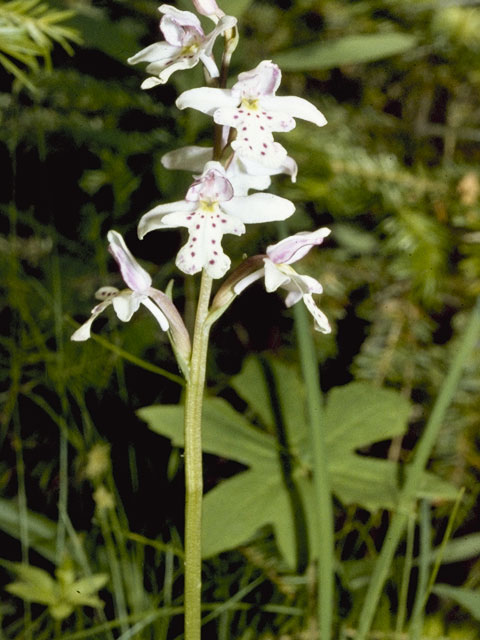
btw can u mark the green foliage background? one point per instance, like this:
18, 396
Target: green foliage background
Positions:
394, 174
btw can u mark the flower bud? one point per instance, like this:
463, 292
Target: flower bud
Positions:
208, 8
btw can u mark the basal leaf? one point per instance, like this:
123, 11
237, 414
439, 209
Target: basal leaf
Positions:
235, 509
359, 414
251, 384
347, 50
226, 432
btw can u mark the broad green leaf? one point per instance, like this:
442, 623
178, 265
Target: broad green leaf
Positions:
347, 50
359, 414
356, 415
251, 385
466, 598
226, 432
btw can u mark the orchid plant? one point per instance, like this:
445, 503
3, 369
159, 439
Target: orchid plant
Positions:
243, 158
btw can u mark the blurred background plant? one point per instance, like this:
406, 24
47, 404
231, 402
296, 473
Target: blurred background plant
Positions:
85, 484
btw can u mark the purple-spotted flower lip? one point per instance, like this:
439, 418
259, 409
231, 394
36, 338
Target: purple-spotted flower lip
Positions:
127, 301
278, 273
185, 45
209, 211
254, 111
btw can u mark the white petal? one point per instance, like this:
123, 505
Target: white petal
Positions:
259, 207
297, 246
293, 297
274, 277
190, 158
153, 219
209, 64
149, 83
321, 320
157, 313
133, 274
184, 18
83, 332
206, 99
295, 107
227, 22
242, 284
164, 72
160, 52
126, 303
262, 81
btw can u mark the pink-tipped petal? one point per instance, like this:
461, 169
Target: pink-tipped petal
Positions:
297, 246
133, 274
264, 80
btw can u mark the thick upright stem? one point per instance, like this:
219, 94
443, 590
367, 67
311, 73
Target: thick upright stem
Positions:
193, 465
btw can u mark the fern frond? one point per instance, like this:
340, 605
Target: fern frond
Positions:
28, 31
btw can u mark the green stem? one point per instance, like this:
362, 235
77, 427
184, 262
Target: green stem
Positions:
323, 536
193, 465
415, 471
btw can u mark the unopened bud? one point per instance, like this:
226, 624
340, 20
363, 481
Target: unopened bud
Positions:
209, 8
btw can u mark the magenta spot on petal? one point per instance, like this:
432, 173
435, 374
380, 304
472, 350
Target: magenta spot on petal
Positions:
262, 153
246, 139
270, 117
264, 113
193, 254
248, 113
197, 226
213, 224
251, 148
257, 115
223, 220
265, 145
214, 241
202, 217
244, 128
235, 117
240, 111
194, 239
211, 261
215, 253
262, 128
189, 217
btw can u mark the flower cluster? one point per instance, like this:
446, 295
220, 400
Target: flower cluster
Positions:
218, 201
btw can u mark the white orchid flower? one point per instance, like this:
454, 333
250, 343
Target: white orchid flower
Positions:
127, 301
185, 45
252, 108
279, 274
210, 210
242, 173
